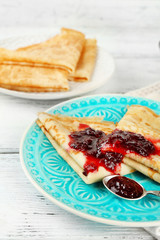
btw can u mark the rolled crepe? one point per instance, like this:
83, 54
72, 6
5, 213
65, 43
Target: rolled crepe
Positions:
58, 131
62, 51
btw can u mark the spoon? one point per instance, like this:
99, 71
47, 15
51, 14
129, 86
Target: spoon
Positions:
126, 188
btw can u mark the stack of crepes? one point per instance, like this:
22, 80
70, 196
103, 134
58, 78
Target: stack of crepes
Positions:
135, 143
47, 66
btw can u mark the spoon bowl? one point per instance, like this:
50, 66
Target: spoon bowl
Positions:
126, 188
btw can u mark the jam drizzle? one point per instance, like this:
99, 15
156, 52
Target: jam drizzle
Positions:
108, 150
83, 126
128, 142
89, 142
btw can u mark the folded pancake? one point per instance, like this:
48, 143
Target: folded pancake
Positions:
72, 123
32, 79
137, 136
86, 62
62, 51
59, 130
149, 172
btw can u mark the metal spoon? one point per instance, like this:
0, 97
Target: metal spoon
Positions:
144, 192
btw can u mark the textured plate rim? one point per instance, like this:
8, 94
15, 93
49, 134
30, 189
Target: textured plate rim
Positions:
62, 205
67, 94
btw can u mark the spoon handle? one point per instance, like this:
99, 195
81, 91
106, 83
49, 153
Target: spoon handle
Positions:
157, 193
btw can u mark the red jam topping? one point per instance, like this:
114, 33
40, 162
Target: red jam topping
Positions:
89, 141
127, 142
108, 150
125, 187
83, 126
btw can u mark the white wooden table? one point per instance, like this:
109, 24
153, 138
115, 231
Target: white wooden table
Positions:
130, 31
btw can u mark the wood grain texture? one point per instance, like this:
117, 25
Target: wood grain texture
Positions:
130, 31
26, 214
124, 14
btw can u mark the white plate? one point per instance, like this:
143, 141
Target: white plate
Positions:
102, 72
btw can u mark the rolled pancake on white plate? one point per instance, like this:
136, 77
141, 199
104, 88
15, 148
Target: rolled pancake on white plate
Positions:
143, 145
58, 130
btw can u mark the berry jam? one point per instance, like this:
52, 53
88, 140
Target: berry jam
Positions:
128, 142
125, 187
83, 126
108, 150
89, 142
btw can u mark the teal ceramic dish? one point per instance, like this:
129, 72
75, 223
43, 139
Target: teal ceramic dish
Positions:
56, 180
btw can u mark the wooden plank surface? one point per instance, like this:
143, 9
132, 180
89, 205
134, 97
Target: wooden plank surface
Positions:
91, 13
130, 31
26, 214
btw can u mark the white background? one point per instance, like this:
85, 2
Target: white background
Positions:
130, 31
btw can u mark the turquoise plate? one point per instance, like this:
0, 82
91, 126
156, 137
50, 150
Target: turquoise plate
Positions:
56, 180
